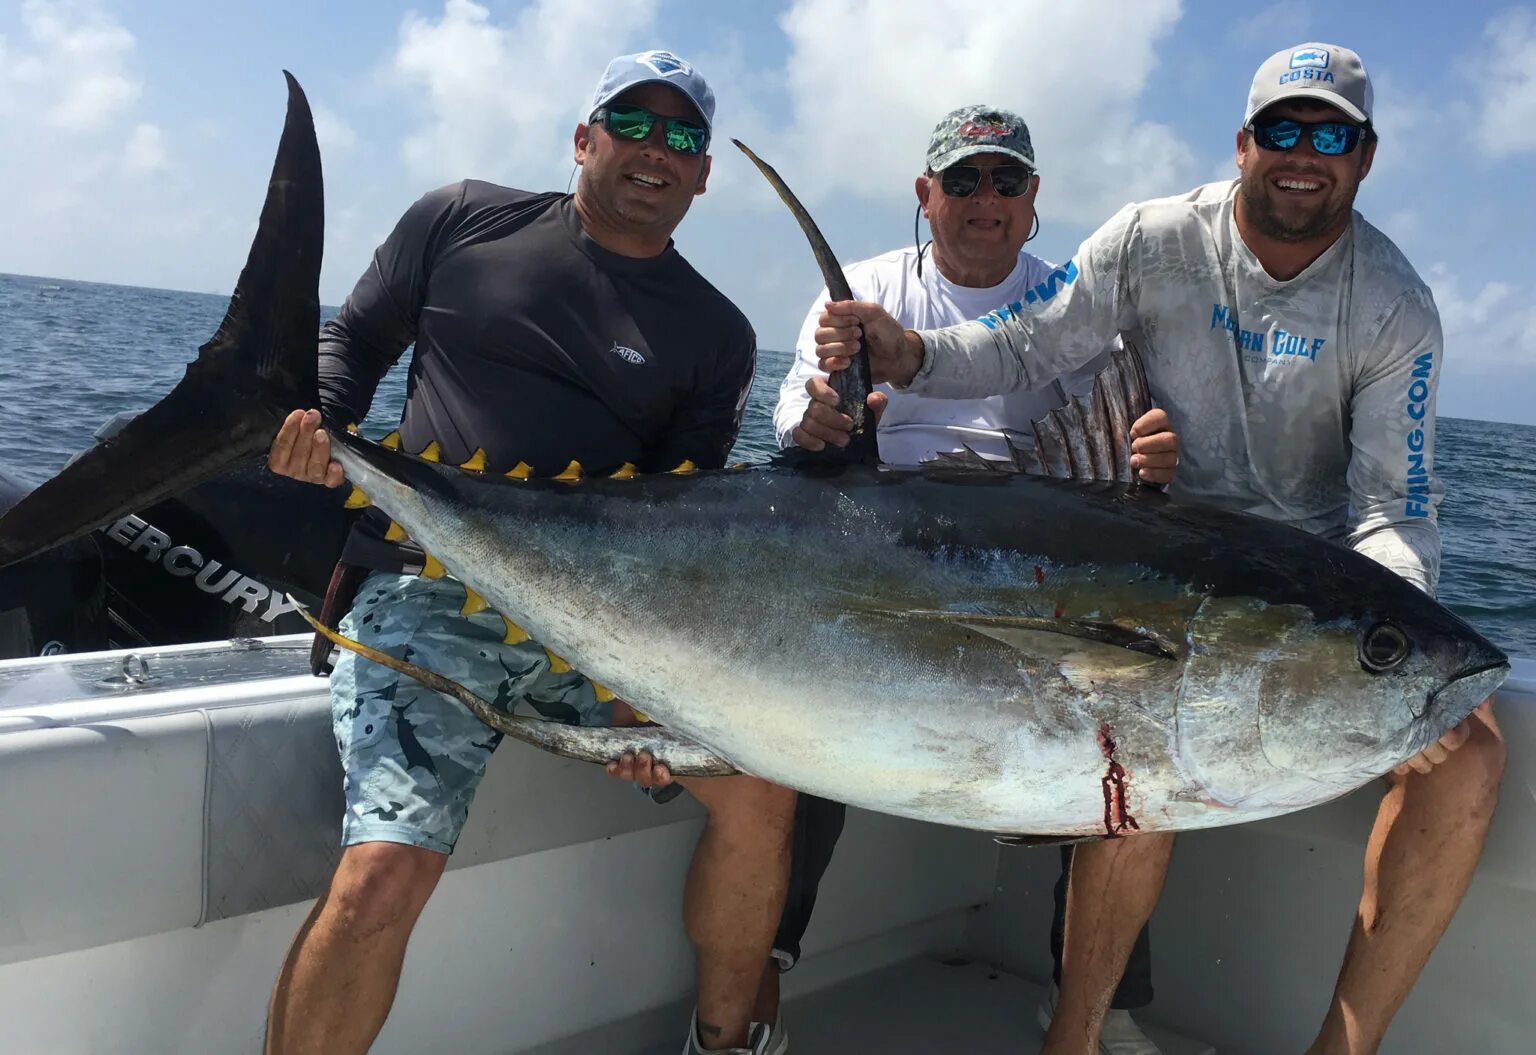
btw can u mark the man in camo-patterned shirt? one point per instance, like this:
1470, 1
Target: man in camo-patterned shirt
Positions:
1297, 353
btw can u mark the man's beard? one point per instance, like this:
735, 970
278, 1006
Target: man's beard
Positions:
1259, 210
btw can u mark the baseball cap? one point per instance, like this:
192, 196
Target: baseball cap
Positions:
978, 130
655, 67
1325, 72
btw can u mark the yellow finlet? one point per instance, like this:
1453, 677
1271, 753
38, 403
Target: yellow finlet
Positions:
473, 602
476, 463
358, 500
432, 568
685, 468
739, 466
570, 472
352, 428
391, 442
602, 692
396, 533
625, 472
520, 471
556, 664
515, 634
432, 453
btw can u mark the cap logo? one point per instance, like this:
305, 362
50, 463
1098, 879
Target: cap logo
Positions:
976, 129
1309, 58
665, 64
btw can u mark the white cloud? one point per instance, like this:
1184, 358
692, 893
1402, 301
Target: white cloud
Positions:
1506, 75
146, 149
862, 116
333, 134
488, 117
1492, 326
78, 76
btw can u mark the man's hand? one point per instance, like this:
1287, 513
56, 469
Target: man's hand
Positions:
823, 423
894, 354
1154, 447
302, 451
1441, 749
642, 769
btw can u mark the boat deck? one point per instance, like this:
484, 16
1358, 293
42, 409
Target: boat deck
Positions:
918, 1007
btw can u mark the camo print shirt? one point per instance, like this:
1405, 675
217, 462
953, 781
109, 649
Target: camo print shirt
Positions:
1310, 401
535, 344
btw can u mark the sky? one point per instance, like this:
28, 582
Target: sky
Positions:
141, 132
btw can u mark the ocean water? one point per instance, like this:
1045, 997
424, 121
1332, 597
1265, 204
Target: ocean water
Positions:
72, 354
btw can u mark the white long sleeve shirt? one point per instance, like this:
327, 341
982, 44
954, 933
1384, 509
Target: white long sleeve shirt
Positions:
914, 428
1310, 401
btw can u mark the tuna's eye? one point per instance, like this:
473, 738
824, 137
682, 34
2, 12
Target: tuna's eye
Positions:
1382, 647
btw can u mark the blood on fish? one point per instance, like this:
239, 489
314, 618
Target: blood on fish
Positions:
1058, 611
1039, 575
1117, 813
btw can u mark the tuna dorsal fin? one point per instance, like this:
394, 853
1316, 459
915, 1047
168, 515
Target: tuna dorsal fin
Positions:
1088, 438
852, 385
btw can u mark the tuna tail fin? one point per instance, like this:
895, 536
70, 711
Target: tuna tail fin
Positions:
852, 385
258, 366
1088, 438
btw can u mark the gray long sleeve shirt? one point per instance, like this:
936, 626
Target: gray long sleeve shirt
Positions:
1310, 400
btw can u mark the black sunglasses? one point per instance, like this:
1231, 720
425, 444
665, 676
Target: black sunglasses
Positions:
636, 122
1329, 138
1008, 181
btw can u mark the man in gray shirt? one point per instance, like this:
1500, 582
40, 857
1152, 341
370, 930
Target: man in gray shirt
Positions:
1298, 353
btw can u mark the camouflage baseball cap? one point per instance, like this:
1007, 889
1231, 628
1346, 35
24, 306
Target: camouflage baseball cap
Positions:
979, 130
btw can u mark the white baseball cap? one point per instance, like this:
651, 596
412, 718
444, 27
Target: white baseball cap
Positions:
1325, 72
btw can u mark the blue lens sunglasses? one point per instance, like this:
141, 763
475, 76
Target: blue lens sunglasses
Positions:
1329, 138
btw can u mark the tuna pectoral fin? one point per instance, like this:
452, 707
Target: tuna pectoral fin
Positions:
684, 757
1015, 630
260, 365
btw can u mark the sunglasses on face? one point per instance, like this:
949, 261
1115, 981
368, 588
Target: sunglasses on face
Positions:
635, 122
961, 181
1330, 138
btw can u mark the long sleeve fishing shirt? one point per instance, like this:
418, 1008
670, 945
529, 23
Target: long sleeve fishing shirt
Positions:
535, 344
1309, 400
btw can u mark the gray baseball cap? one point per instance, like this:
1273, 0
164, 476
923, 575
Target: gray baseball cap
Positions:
1325, 72
979, 130
655, 67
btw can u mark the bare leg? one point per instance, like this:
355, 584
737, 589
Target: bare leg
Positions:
1114, 888
1420, 858
338, 982
765, 1006
734, 896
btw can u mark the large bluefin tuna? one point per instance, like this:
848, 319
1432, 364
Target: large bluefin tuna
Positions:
1012, 653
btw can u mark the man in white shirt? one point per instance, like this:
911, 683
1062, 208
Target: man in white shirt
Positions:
1299, 353
978, 194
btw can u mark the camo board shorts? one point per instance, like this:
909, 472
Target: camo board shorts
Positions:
412, 757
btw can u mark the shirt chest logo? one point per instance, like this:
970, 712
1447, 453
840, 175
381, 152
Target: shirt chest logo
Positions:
1278, 343
629, 355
